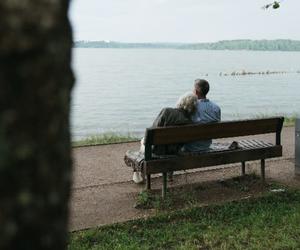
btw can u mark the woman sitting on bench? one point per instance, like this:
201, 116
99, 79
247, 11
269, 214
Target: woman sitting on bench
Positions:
181, 115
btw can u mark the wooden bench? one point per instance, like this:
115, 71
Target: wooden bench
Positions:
249, 149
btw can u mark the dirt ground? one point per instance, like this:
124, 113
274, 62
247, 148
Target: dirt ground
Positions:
103, 192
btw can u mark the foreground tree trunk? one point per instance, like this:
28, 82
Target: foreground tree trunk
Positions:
35, 85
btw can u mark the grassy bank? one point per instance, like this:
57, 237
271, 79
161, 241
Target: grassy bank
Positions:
269, 222
289, 121
107, 138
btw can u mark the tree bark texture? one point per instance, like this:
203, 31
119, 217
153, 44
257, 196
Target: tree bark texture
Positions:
35, 85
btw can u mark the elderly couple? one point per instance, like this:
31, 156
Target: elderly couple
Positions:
191, 108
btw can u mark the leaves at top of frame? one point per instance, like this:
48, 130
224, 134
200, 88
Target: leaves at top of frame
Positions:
274, 5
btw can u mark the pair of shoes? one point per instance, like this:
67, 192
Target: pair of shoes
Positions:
137, 177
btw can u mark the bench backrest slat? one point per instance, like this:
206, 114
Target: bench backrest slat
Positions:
189, 133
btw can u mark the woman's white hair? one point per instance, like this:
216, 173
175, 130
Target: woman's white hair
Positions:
188, 102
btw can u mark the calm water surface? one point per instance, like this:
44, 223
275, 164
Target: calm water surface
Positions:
122, 90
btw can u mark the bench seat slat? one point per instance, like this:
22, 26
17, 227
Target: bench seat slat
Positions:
254, 143
247, 144
262, 143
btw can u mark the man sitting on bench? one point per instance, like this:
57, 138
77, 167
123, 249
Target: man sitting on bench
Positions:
207, 112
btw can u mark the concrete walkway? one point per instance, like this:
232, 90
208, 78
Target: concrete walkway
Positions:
103, 192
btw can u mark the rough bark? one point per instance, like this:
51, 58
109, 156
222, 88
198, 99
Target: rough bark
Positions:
35, 84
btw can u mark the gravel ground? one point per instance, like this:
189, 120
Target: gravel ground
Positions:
103, 192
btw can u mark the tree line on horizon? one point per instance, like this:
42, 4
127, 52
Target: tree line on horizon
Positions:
269, 45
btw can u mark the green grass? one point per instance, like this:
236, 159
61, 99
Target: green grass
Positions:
289, 121
106, 138
268, 222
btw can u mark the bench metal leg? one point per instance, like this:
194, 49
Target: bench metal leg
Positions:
243, 168
148, 182
262, 167
164, 188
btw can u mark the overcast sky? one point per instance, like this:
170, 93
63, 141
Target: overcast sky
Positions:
183, 20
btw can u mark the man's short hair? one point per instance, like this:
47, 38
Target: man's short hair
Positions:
202, 86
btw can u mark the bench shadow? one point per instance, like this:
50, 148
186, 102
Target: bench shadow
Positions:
205, 193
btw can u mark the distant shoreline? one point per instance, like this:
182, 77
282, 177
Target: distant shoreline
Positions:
252, 45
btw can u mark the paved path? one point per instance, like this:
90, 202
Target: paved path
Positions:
103, 192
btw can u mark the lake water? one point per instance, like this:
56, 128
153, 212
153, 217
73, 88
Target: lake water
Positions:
122, 90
